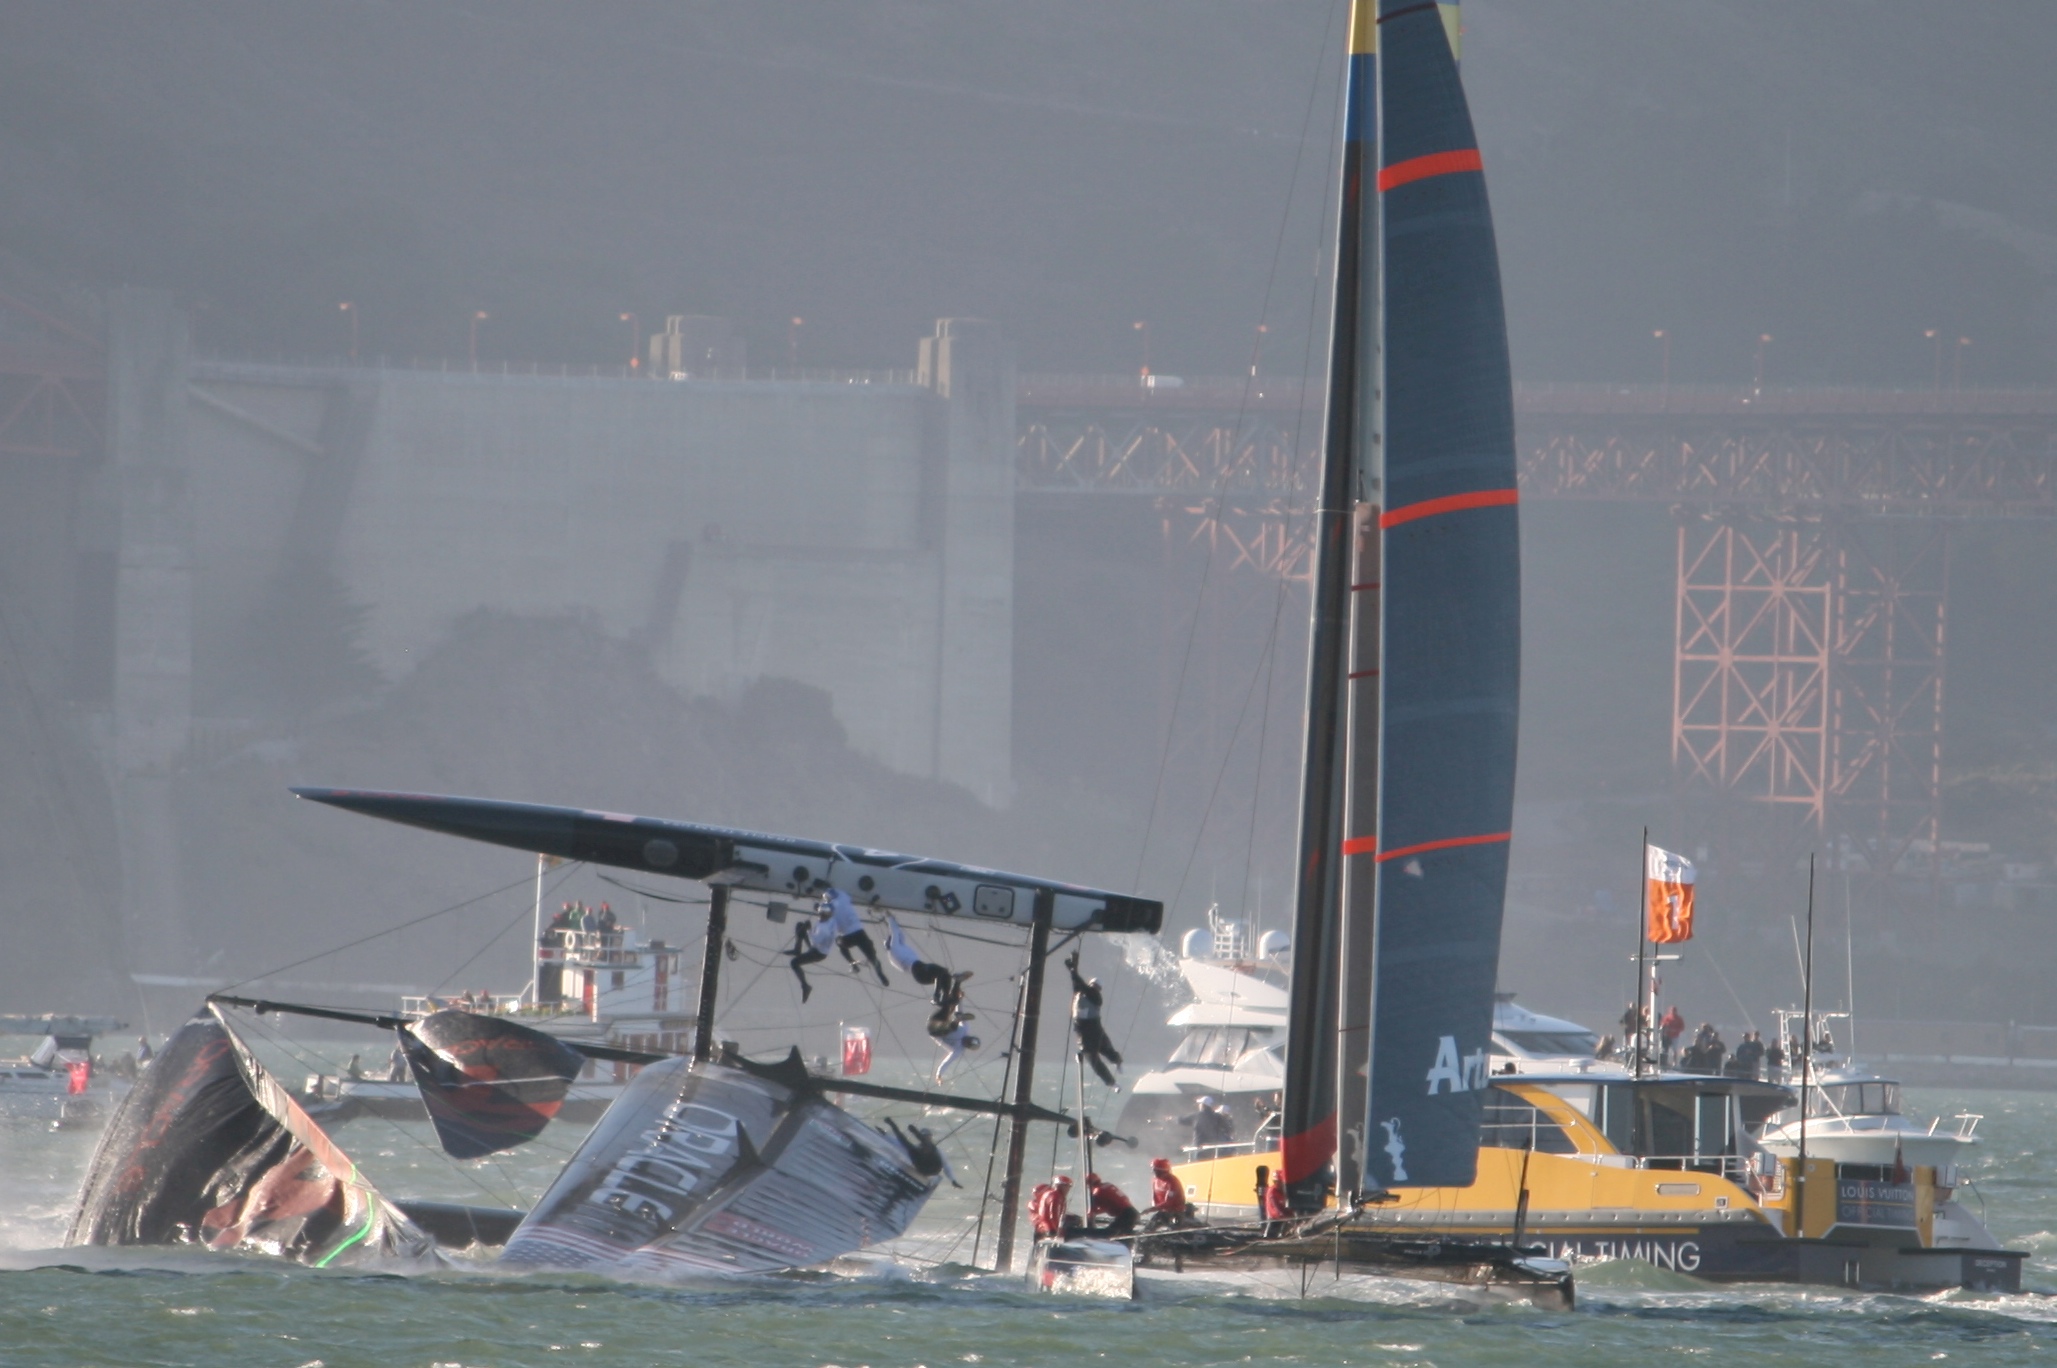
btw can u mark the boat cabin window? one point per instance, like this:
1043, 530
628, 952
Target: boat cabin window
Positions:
1671, 1125
1854, 1099
1512, 1123
1579, 1043
1212, 1048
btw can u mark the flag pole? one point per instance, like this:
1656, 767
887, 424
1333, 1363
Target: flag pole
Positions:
1806, 1052
1641, 1031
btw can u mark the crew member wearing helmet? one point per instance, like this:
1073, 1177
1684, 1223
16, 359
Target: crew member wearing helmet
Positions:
1105, 1199
1168, 1205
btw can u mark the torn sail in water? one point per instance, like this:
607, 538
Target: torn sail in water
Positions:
723, 1167
489, 1084
208, 1149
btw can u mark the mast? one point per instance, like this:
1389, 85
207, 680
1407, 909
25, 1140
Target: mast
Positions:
1637, 1034
710, 970
1024, 1076
1450, 620
1308, 1122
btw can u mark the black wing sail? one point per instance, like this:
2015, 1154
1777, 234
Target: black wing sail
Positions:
756, 860
1452, 629
489, 1084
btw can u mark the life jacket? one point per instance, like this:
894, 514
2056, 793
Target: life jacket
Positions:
1167, 1194
1108, 1200
1275, 1207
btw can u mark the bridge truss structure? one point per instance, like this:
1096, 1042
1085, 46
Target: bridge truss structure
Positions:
1813, 550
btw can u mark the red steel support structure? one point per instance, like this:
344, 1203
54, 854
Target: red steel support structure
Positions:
1813, 549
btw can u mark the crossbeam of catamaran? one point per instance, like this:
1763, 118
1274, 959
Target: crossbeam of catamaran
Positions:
387, 1021
754, 860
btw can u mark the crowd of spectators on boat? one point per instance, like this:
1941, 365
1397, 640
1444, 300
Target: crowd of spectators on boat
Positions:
1706, 1053
575, 921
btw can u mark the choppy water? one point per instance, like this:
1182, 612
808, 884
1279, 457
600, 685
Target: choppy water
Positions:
181, 1307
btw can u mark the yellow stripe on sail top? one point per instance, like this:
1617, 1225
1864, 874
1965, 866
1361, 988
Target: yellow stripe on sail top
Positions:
1363, 27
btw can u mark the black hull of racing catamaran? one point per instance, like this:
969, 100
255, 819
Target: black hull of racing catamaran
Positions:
1743, 1252
1482, 1268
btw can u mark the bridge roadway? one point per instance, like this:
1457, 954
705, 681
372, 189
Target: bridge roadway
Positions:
1980, 453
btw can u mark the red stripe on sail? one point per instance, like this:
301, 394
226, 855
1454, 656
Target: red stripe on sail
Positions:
1360, 588
1434, 164
1306, 1154
1450, 503
1363, 674
1360, 845
1447, 843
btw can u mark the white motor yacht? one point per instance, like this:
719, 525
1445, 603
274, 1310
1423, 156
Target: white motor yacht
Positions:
1853, 1115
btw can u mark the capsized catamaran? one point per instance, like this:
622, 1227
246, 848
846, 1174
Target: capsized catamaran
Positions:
709, 1164
1408, 779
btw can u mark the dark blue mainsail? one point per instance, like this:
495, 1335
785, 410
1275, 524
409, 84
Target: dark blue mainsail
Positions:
1451, 631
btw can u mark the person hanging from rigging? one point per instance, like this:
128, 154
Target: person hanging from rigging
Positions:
935, 977
840, 915
946, 1026
811, 944
923, 1152
1094, 1046
1105, 1199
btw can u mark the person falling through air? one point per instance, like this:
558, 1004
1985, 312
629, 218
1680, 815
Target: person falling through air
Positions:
935, 977
841, 916
1094, 1046
836, 925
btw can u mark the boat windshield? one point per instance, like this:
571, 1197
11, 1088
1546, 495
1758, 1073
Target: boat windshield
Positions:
1511, 1122
1854, 1099
1212, 1048
1579, 1043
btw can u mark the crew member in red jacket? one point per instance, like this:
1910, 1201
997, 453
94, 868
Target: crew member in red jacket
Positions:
1167, 1197
1110, 1201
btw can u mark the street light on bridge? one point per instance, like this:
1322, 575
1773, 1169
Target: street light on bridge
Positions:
478, 316
1663, 336
350, 312
1763, 340
1143, 330
1935, 335
635, 342
1957, 365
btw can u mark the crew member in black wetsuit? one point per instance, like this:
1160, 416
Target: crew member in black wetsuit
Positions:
1094, 1046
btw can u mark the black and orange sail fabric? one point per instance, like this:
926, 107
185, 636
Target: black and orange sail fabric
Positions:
209, 1149
1451, 648
489, 1084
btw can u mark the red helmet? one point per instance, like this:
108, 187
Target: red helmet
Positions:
1064, 1180
1160, 1164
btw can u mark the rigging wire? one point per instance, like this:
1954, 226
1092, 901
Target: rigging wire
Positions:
390, 930
1242, 412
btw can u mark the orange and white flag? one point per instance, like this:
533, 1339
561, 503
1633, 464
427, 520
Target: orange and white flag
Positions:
1670, 896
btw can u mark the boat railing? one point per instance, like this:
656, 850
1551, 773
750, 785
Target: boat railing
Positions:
1743, 1170
1967, 1125
609, 948
485, 1004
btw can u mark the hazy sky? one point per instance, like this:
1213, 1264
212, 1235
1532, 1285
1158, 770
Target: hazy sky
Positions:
1843, 175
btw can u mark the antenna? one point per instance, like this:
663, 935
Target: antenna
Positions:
1849, 964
